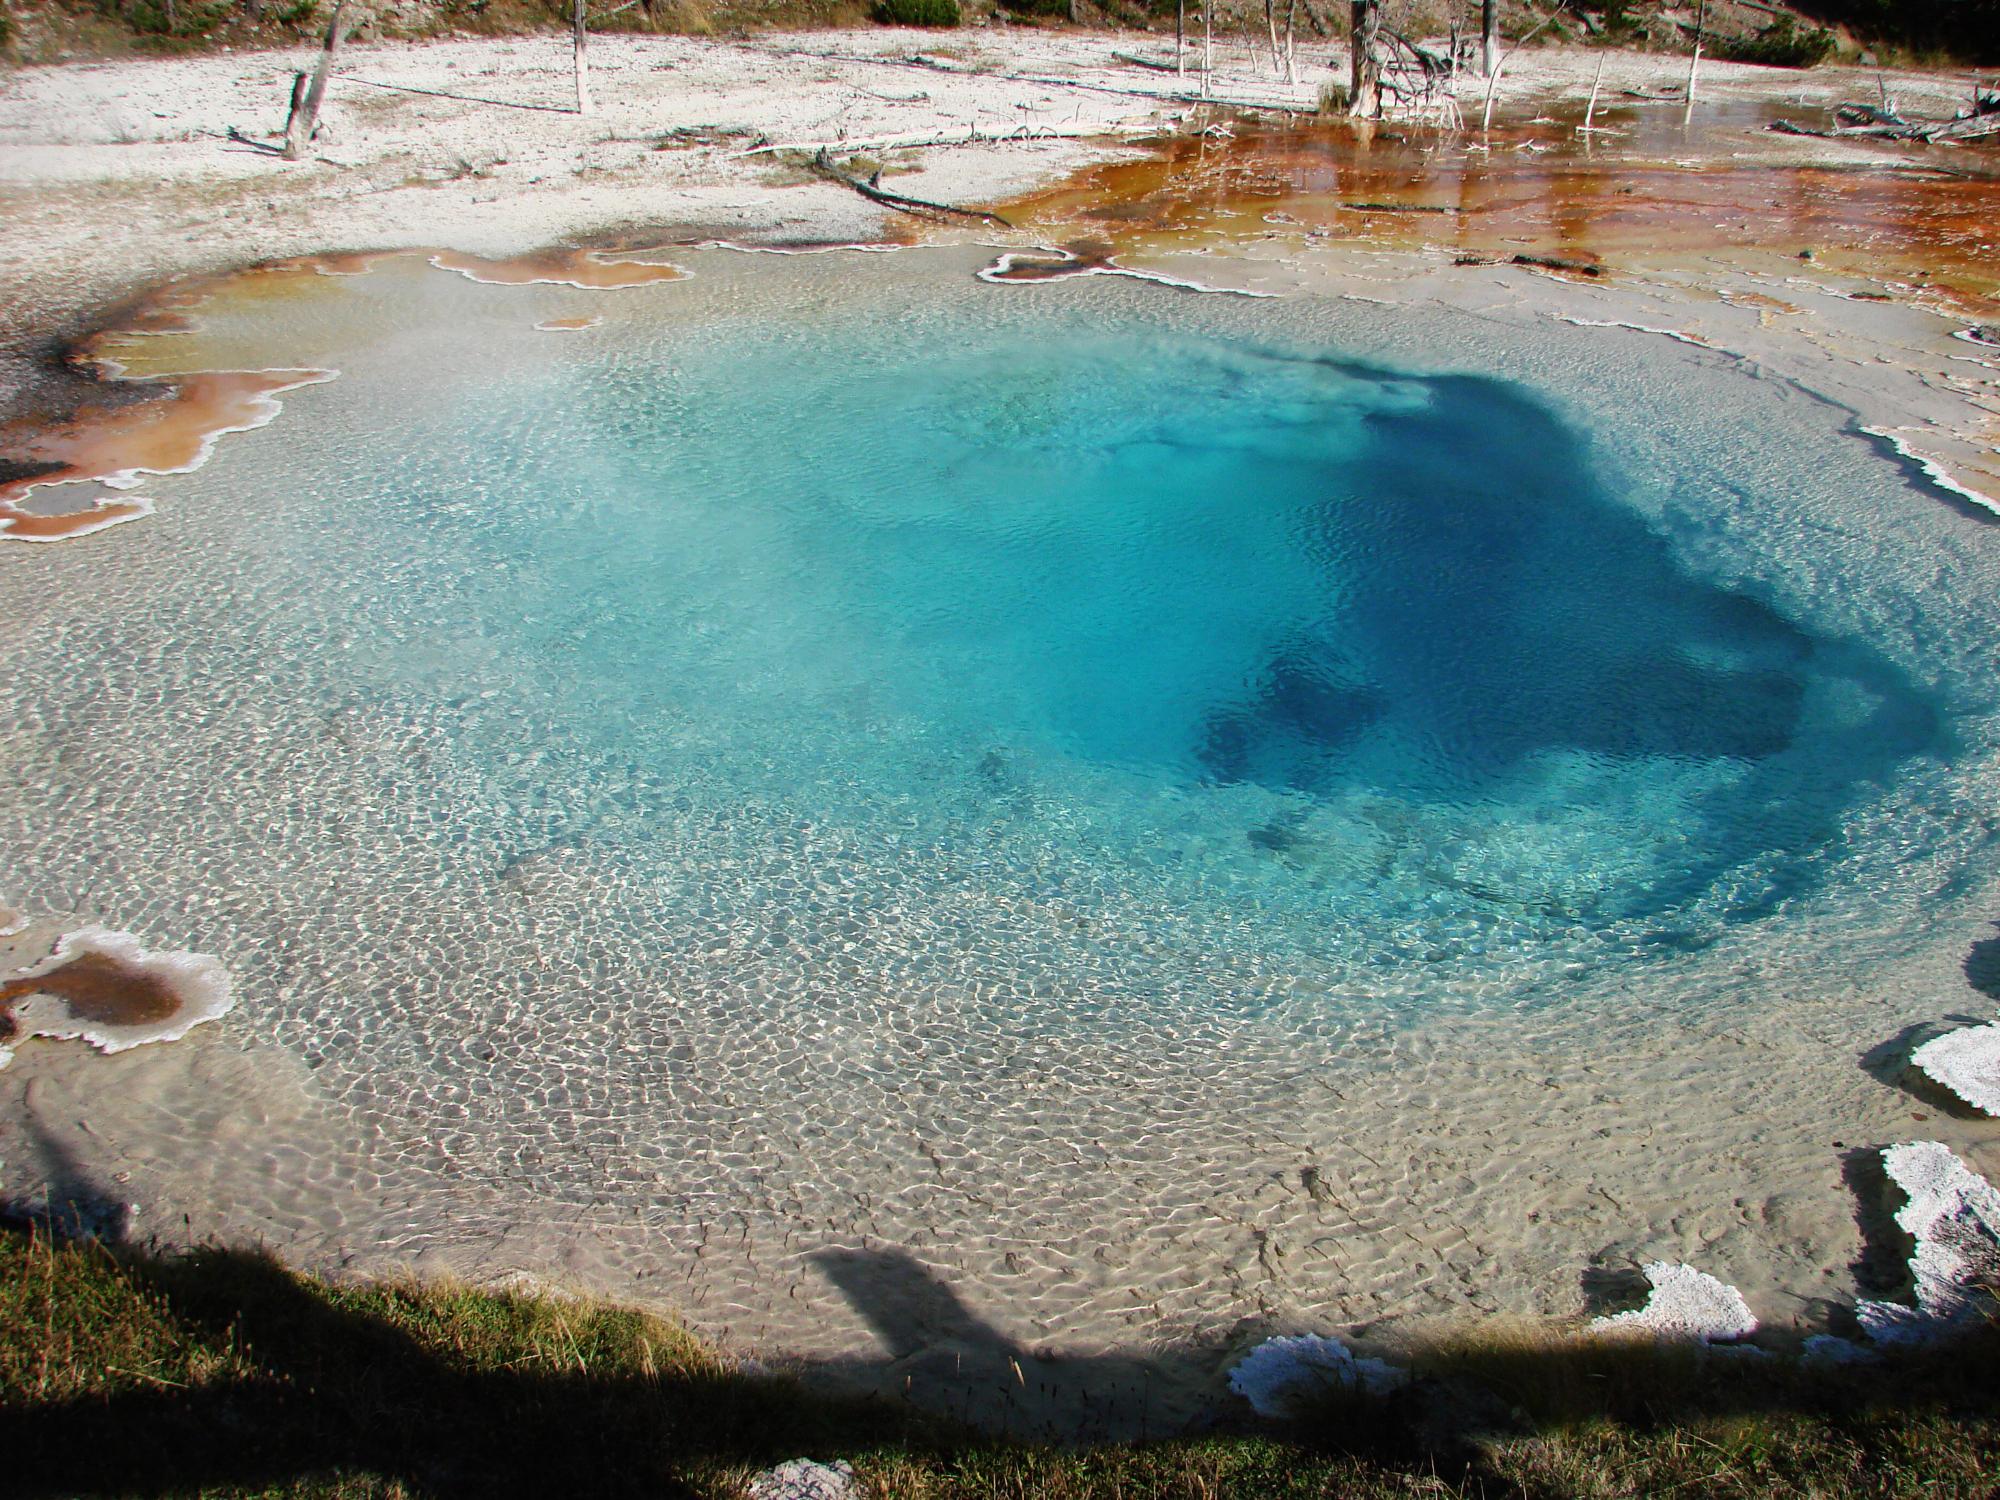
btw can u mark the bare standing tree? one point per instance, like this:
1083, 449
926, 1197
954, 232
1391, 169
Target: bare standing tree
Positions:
1493, 74
303, 121
1291, 58
1364, 69
580, 37
1489, 36
1694, 62
1207, 47
1180, 38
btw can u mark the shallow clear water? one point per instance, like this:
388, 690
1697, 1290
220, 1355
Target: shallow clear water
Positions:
854, 753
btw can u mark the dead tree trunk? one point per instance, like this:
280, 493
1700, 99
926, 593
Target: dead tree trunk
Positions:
1291, 58
1493, 76
1364, 71
580, 35
1694, 62
1180, 39
303, 121
1207, 47
1271, 25
1489, 35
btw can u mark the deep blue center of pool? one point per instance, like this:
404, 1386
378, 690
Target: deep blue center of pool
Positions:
1320, 603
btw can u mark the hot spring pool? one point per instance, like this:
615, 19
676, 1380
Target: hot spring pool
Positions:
1159, 808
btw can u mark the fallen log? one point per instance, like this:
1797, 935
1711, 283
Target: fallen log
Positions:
1557, 263
1145, 62
1399, 208
972, 137
1891, 128
822, 166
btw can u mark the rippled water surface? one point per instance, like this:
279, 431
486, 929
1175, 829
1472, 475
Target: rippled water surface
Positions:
850, 752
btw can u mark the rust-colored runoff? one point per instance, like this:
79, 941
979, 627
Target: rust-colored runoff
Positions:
1540, 191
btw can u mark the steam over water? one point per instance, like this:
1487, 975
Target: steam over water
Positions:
859, 756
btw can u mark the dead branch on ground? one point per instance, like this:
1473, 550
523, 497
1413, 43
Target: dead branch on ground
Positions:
822, 165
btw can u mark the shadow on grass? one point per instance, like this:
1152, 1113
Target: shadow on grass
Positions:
324, 1387
219, 1371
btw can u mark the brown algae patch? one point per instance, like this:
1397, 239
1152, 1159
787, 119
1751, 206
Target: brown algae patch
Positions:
104, 988
568, 325
587, 270
115, 445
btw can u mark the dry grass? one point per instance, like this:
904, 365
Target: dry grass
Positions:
221, 1373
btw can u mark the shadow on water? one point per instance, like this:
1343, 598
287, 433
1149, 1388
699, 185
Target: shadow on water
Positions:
1982, 966
1500, 613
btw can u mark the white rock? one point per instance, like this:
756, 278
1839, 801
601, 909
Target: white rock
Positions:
802, 1479
1954, 1216
1967, 1062
1281, 1371
1686, 1304
1830, 1349
198, 982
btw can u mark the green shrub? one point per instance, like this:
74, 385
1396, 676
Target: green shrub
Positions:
1052, 10
1779, 45
917, 12
169, 20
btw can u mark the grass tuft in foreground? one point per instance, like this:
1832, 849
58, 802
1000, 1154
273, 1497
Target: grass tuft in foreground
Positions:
221, 1373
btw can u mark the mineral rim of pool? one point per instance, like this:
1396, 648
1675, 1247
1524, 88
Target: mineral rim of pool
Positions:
920, 817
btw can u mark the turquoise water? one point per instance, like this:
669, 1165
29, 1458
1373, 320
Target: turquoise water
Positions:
1385, 650
1402, 629
845, 753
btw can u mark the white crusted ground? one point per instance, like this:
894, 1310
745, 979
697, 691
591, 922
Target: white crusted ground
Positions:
1966, 1062
1280, 1371
803, 1479
1954, 1215
201, 983
1686, 1304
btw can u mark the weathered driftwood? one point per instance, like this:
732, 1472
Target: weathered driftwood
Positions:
871, 189
1558, 263
1399, 208
974, 136
303, 120
1534, 262
1883, 123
